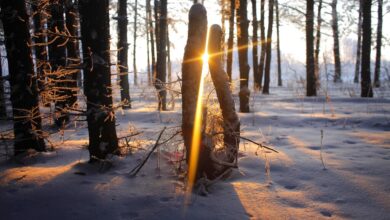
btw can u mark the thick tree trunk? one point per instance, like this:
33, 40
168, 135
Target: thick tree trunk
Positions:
229, 62
192, 67
231, 123
336, 45
57, 58
268, 56
135, 43
255, 55
162, 57
39, 41
97, 78
123, 48
317, 45
366, 51
311, 89
263, 46
359, 42
73, 55
378, 45
242, 42
280, 83
24, 94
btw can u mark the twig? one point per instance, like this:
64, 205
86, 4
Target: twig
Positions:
136, 169
322, 159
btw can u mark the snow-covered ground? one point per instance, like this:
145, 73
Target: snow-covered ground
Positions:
291, 184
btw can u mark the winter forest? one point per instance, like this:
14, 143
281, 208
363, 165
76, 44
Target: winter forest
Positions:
194, 109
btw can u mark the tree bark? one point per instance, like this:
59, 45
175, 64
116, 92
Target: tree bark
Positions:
311, 89
359, 42
263, 46
378, 45
268, 57
242, 42
151, 37
192, 67
162, 57
231, 123
123, 48
3, 107
366, 51
97, 78
24, 94
229, 62
255, 55
135, 43
336, 45
317, 45
280, 83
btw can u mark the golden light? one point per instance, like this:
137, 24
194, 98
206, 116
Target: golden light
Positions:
197, 130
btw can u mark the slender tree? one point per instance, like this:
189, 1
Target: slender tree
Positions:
151, 37
259, 83
242, 42
366, 51
72, 47
123, 47
359, 43
95, 37
135, 43
24, 94
336, 44
57, 58
278, 43
317, 44
268, 56
378, 45
311, 89
229, 62
162, 57
255, 55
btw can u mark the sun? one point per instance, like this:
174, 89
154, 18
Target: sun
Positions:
205, 57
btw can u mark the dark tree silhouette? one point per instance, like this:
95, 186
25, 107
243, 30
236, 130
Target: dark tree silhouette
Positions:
311, 89
278, 43
97, 78
366, 51
268, 57
359, 42
336, 44
242, 42
259, 83
229, 62
24, 94
378, 45
123, 47
317, 44
135, 43
255, 55
161, 73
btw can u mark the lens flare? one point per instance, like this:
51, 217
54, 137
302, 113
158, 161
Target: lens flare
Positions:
197, 130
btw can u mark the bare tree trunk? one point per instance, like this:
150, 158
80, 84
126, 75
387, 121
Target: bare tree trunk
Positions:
378, 45
151, 37
3, 107
229, 62
97, 78
169, 69
278, 44
268, 57
231, 123
366, 51
135, 43
162, 57
73, 55
255, 55
192, 70
359, 43
311, 89
317, 45
242, 42
24, 94
336, 45
149, 72
263, 46
123, 46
